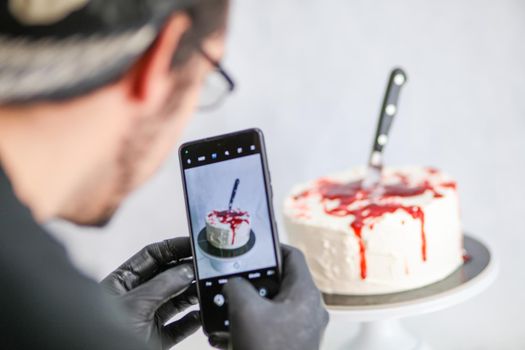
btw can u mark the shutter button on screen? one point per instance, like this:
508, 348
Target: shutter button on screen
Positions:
218, 300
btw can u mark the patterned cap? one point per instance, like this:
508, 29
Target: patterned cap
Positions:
56, 49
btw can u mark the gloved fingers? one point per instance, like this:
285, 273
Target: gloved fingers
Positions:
178, 304
240, 294
177, 331
219, 341
298, 286
147, 263
163, 287
297, 282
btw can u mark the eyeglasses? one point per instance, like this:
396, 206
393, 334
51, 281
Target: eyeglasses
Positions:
218, 85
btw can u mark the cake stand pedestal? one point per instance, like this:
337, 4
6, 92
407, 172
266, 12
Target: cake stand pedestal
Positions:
380, 315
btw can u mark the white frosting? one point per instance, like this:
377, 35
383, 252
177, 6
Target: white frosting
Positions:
222, 234
393, 242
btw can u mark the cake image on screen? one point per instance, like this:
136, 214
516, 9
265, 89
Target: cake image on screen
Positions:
403, 235
228, 229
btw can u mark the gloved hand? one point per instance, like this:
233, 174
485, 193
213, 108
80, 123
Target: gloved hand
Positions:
294, 320
153, 286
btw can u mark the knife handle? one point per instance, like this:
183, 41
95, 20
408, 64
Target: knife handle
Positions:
397, 80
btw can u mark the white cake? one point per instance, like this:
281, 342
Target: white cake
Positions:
407, 237
228, 229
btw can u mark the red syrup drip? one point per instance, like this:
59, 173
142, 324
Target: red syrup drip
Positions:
373, 210
450, 184
349, 193
432, 170
232, 218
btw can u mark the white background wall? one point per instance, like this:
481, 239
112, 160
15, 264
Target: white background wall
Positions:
311, 74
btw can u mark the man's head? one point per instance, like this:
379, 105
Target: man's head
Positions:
77, 141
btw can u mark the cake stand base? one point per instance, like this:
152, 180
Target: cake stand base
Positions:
226, 266
379, 315
385, 335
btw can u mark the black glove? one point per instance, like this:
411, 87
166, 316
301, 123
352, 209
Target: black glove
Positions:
153, 286
294, 320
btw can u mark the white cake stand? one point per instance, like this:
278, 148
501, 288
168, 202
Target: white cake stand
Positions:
380, 315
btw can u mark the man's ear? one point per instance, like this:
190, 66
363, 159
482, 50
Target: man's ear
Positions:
150, 79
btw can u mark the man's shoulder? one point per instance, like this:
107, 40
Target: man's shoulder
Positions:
40, 286
22, 239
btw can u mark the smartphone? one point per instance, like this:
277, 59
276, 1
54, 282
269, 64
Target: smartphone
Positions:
228, 193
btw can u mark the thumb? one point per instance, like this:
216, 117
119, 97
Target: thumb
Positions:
165, 286
239, 293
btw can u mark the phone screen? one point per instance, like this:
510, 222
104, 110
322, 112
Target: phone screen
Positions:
228, 198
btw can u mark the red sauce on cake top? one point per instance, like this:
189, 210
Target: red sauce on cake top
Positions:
345, 195
234, 218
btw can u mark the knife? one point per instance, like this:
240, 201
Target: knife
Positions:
234, 192
389, 109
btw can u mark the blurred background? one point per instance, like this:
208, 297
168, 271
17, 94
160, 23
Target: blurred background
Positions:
311, 74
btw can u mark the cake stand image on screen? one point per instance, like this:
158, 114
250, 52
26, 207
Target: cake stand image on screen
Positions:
225, 260
380, 315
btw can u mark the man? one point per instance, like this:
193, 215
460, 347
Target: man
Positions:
93, 96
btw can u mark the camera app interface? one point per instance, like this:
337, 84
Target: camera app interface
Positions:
230, 223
